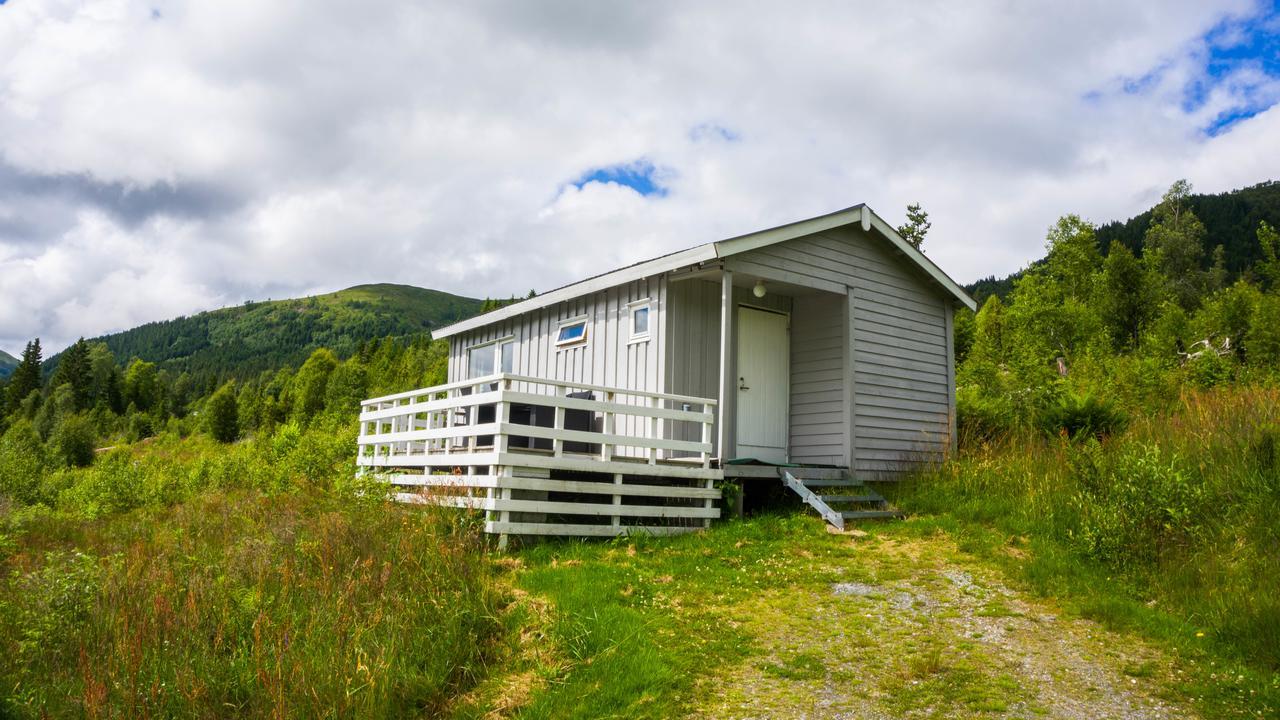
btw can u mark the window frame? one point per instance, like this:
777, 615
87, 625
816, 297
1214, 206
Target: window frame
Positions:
646, 305
496, 348
581, 340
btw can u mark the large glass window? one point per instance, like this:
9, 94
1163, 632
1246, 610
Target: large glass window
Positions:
482, 359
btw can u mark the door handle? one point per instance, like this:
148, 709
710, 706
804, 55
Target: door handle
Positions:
742, 384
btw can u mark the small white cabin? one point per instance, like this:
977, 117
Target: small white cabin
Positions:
818, 352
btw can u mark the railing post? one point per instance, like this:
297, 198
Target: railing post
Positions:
473, 418
654, 403
557, 444
617, 500
608, 422
502, 413
708, 420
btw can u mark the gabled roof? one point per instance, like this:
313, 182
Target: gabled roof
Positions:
858, 214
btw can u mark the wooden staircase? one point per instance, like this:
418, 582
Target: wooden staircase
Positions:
839, 497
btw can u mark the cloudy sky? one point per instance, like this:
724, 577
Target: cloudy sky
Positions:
160, 158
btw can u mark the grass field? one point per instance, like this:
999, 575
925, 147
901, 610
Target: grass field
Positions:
1034, 578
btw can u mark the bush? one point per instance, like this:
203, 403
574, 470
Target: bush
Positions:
1079, 416
73, 441
140, 427
222, 415
1144, 503
982, 419
21, 462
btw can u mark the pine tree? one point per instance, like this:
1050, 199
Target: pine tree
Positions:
26, 376
916, 226
75, 369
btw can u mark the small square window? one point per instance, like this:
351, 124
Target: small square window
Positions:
640, 321
572, 332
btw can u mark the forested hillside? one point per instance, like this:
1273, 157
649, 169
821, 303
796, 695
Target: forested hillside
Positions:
240, 342
1230, 220
7, 364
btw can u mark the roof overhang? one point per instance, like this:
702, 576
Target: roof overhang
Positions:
860, 215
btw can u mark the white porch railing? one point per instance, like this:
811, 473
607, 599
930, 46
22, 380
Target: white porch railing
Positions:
546, 457
457, 423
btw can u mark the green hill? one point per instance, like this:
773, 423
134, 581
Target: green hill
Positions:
1231, 219
7, 364
245, 340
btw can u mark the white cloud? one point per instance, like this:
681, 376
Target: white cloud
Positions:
159, 158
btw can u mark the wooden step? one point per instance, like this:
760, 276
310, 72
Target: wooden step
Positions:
831, 482
805, 475
873, 498
871, 514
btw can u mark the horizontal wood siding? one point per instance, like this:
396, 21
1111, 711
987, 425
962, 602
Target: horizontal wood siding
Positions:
902, 395
818, 433
902, 382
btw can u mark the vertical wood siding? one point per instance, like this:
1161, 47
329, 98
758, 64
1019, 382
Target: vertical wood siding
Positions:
607, 357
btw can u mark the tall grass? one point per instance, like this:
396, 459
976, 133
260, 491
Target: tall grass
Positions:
1182, 507
244, 581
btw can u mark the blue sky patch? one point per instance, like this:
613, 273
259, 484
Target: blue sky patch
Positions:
1241, 54
639, 175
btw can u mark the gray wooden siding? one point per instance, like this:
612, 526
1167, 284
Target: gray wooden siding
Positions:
817, 380
901, 401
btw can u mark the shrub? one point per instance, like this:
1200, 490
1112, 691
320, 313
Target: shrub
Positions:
1208, 370
1080, 416
982, 419
21, 462
222, 415
140, 427
73, 440
1147, 504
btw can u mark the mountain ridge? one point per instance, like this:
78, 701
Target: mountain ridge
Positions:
1230, 218
7, 364
243, 340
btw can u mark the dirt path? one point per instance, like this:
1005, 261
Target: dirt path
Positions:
912, 628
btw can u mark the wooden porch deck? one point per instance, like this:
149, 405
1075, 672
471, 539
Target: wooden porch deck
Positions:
545, 457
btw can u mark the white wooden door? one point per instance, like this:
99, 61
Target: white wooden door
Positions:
764, 355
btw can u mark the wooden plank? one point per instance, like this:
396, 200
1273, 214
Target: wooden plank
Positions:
443, 481
569, 403
573, 530
506, 505
812, 500
589, 436
608, 488
617, 390
668, 468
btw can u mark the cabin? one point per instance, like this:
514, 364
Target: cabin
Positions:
817, 355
